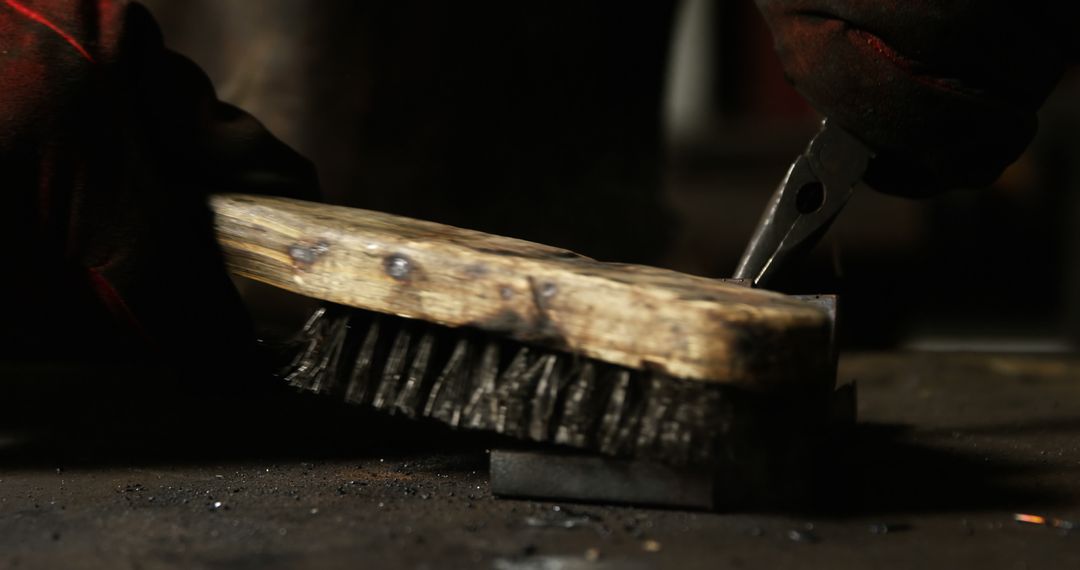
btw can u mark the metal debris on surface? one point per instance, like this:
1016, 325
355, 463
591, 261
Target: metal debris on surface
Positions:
886, 528
1030, 519
565, 563
1063, 524
802, 536
559, 517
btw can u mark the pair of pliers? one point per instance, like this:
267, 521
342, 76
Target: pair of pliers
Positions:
817, 186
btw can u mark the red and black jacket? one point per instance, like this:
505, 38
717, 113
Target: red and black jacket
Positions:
109, 145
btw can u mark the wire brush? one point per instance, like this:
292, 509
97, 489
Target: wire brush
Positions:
533, 342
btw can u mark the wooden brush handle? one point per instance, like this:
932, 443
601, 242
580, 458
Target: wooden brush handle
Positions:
635, 316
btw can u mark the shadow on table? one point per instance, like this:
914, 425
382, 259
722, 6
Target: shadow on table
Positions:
56, 418
894, 469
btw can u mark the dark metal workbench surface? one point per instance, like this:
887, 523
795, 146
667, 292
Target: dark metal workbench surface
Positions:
101, 474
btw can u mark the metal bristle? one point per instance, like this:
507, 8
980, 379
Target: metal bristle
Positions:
466, 378
361, 378
447, 396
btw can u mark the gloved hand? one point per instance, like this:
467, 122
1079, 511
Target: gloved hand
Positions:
946, 91
109, 147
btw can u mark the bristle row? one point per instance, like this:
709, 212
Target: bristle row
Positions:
467, 379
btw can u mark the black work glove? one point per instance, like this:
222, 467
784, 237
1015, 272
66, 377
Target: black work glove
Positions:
946, 91
111, 145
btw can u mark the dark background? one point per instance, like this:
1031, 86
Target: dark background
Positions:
646, 133
649, 134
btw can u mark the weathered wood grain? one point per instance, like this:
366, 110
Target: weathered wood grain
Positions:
635, 316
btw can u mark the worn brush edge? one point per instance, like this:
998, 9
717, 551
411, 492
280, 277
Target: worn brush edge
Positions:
470, 379
639, 317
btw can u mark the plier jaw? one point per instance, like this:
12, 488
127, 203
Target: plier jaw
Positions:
817, 186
